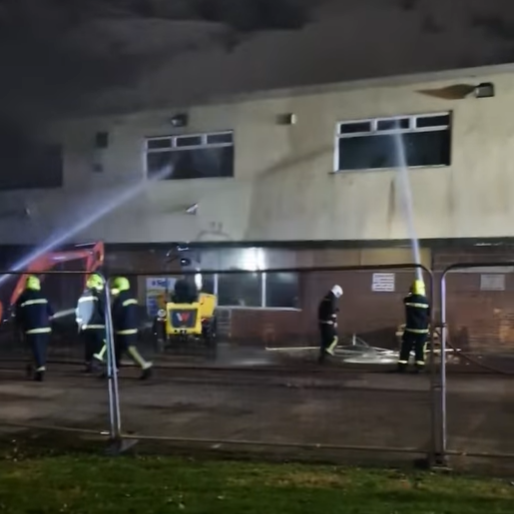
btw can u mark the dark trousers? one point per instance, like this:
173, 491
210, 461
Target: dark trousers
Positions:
412, 340
328, 334
126, 343
38, 344
93, 340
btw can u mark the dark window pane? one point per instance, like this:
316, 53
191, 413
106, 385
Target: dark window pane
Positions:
240, 290
191, 164
189, 141
207, 284
393, 124
282, 290
433, 121
352, 128
372, 152
159, 165
218, 139
156, 144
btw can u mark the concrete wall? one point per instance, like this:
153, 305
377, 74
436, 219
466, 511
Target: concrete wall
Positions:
283, 187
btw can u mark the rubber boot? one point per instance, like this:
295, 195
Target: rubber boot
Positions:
39, 376
146, 372
100, 355
332, 347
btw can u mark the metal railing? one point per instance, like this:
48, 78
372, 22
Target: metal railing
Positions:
443, 386
430, 450
229, 377
114, 430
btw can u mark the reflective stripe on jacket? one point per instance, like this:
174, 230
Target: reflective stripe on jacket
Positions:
125, 314
33, 313
327, 309
417, 314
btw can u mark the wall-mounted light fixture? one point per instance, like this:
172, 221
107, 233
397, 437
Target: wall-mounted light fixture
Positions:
288, 118
179, 120
484, 90
461, 91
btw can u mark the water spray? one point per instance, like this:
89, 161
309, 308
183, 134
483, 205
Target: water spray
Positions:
406, 188
123, 197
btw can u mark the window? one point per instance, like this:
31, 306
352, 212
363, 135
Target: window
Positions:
373, 144
250, 287
254, 290
208, 283
190, 156
282, 290
240, 290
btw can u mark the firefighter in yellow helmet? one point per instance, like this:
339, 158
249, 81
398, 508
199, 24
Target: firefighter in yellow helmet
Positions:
33, 315
417, 320
90, 316
126, 324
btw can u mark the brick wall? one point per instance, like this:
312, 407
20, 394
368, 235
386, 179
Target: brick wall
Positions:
479, 321
372, 316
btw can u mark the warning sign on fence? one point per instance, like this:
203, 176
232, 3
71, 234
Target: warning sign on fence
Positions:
492, 282
383, 283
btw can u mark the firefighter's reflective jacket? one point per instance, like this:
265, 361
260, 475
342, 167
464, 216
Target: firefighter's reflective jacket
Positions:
327, 310
417, 314
33, 313
125, 314
90, 312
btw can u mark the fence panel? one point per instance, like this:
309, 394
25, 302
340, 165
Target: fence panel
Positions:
260, 383
478, 310
68, 398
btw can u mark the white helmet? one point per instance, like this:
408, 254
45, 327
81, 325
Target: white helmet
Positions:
337, 290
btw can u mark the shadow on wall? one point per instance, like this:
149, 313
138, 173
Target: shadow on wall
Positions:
262, 195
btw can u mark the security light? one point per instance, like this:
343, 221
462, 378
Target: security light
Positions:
484, 90
288, 118
179, 120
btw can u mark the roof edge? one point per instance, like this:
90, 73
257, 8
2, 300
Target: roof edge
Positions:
307, 90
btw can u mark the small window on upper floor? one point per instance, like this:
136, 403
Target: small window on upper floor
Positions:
190, 156
423, 139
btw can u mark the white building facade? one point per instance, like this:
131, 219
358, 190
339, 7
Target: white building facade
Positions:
297, 165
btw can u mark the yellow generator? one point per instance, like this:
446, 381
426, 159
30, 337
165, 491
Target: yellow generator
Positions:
188, 322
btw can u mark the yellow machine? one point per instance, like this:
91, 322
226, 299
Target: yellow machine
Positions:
185, 322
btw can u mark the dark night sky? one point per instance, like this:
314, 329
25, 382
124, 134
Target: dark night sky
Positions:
94, 55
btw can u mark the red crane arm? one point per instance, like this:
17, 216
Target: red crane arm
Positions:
94, 259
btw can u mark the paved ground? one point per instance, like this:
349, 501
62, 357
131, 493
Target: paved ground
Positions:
270, 405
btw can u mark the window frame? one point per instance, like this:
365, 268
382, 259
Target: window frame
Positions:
413, 129
263, 306
174, 148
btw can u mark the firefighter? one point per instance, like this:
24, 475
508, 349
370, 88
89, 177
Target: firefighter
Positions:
33, 314
90, 316
327, 320
417, 319
125, 325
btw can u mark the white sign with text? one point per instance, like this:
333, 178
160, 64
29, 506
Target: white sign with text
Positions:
383, 282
